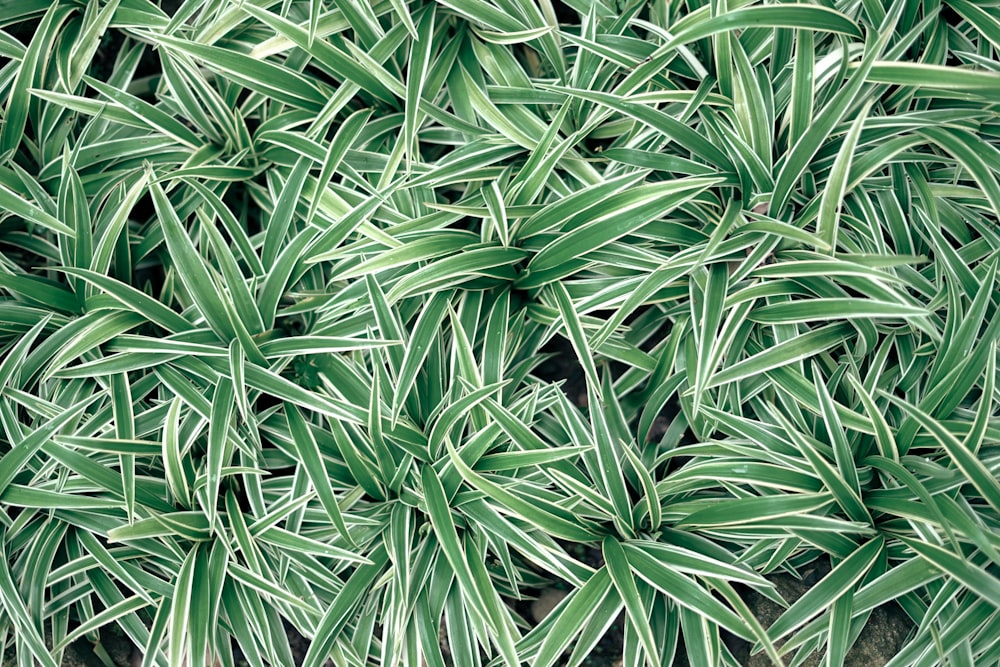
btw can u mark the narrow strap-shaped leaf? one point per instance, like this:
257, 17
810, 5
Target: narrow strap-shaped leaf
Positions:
843, 577
747, 510
689, 139
684, 591
111, 231
964, 459
25, 74
179, 644
147, 114
311, 458
619, 215
284, 212
621, 574
444, 528
828, 220
585, 604
346, 135
124, 415
18, 613
244, 305
840, 489
827, 118
338, 613
281, 83
557, 523
329, 56
786, 352
834, 308
427, 327
191, 268
174, 468
13, 461
16, 204
421, 48
220, 448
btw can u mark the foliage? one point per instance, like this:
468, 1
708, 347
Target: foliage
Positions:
277, 279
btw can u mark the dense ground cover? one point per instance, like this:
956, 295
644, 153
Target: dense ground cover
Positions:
279, 279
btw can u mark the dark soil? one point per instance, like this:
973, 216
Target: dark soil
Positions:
563, 367
113, 648
882, 637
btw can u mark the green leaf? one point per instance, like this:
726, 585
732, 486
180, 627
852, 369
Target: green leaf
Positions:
552, 520
938, 77
280, 83
312, 460
824, 120
621, 574
27, 445
786, 352
427, 328
281, 218
788, 16
823, 309
191, 268
12, 202
845, 576
687, 138
17, 612
616, 217
828, 221
750, 510
179, 650
685, 592
177, 479
331, 58
592, 602
25, 75
148, 115
420, 56
974, 470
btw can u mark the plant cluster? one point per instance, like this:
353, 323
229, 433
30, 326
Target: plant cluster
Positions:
277, 278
